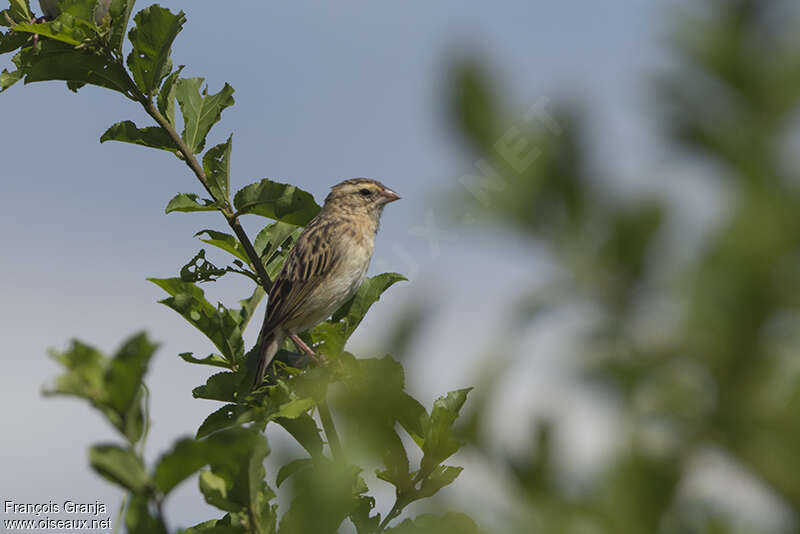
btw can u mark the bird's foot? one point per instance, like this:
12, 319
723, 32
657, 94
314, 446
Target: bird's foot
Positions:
305, 348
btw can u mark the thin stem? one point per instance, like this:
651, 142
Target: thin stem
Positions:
120, 514
330, 430
394, 512
223, 204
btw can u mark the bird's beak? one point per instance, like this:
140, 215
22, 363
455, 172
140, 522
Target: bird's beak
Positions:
388, 196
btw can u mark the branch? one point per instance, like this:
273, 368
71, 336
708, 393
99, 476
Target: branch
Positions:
330, 431
222, 204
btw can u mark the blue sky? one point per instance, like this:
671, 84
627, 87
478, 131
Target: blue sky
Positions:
324, 92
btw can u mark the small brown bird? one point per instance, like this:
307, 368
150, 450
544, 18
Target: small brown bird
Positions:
326, 266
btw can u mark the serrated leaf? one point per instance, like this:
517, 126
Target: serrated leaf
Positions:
221, 386
188, 202
120, 13
440, 442
226, 417
150, 136
305, 430
18, 11
112, 385
295, 408
139, 519
212, 359
291, 468
216, 323
225, 242
282, 202
217, 165
327, 493
152, 37
332, 335
442, 475
368, 294
166, 96
120, 466
361, 518
7, 79
200, 111
60, 61
12, 40
125, 372
243, 315
273, 236
189, 455
449, 523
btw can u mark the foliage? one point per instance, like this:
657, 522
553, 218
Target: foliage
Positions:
80, 46
696, 352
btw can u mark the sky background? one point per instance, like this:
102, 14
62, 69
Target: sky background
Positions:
323, 92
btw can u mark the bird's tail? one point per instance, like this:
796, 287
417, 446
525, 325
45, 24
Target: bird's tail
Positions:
270, 343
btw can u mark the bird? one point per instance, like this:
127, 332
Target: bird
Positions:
325, 267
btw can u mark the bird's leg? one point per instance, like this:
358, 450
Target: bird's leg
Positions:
305, 348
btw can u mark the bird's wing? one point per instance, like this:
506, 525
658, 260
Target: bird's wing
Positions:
306, 266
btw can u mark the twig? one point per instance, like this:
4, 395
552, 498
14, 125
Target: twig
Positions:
330, 430
394, 512
222, 204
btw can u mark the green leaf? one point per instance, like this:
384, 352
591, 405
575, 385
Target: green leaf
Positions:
305, 430
221, 386
59, 61
120, 466
199, 269
188, 202
152, 37
291, 468
139, 519
440, 442
216, 323
282, 202
332, 335
368, 294
200, 111
236, 484
226, 242
226, 417
295, 408
212, 359
112, 385
442, 476
249, 305
120, 13
189, 455
327, 493
395, 459
12, 40
69, 29
449, 523
166, 96
217, 164
361, 518
151, 136
273, 236
124, 376
18, 11
7, 79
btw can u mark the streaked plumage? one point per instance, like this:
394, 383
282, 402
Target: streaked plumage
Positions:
326, 266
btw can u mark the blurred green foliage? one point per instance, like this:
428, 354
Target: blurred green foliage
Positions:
82, 44
719, 371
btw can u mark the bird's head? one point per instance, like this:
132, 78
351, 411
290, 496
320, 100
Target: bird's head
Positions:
360, 196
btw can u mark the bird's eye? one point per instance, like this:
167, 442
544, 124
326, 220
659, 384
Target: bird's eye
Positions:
365, 192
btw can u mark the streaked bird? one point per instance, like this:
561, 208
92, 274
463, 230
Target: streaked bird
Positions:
325, 267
